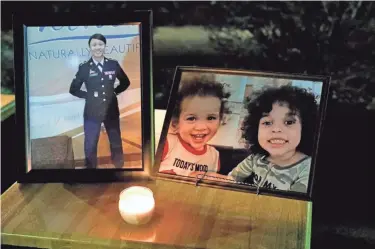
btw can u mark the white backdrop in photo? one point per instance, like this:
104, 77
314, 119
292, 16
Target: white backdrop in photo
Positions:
53, 57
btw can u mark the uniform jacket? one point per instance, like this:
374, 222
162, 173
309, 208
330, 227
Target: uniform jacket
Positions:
101, 101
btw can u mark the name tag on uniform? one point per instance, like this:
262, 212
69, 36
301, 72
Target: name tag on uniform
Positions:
109, 72
96, 94
110, 76
93, 73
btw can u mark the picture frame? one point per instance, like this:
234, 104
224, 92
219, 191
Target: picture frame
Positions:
58, 126
243, 86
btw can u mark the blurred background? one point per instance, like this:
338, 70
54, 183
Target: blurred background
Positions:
325, 38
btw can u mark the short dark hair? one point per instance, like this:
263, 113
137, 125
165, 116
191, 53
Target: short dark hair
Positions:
98, 37
299, 101
201, 87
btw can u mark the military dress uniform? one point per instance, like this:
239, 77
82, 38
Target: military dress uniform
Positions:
101, 106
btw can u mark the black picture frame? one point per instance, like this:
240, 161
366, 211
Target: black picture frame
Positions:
22, 160
210, 182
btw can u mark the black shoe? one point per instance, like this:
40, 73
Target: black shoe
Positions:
90, 164
90, 167
118, 164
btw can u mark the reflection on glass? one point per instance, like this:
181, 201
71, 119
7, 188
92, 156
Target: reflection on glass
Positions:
243, 129
83, 114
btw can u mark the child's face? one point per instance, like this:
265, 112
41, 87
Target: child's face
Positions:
199, 120
279, 131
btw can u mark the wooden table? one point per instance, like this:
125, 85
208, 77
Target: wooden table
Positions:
7, 105
56, 215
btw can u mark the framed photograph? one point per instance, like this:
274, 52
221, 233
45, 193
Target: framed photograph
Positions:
243, 130
83, 95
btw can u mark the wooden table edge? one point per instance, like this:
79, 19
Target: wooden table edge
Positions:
8, 109
308, 225
83, 242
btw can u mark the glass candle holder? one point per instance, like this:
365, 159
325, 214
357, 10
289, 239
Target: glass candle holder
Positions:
136, 205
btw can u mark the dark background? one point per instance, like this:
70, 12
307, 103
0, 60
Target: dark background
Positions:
326, 38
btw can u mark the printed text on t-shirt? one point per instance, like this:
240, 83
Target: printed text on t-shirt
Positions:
189, 166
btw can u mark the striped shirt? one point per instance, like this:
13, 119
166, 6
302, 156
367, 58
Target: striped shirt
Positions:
262, 173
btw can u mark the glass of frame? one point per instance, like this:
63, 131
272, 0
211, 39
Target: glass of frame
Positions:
244, 130
83, 95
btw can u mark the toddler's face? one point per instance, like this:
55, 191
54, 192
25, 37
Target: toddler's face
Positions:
199, 120
279, 131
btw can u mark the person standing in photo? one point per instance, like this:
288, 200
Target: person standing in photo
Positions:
101, 106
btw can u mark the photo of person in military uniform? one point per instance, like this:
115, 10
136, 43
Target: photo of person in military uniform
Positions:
98, 75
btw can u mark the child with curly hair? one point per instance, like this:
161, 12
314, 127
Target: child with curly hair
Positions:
196, 119
279, 128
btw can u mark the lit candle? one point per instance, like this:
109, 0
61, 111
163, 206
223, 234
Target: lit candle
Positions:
136, 205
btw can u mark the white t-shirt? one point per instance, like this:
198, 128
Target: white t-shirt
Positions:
181, 159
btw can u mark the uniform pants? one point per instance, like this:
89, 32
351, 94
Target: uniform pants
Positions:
92, 132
